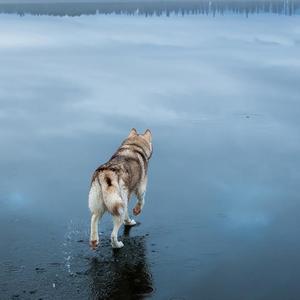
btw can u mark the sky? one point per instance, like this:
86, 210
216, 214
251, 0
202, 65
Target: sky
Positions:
65, 1
84, 1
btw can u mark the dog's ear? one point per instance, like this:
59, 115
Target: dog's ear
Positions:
132, 133
148, 135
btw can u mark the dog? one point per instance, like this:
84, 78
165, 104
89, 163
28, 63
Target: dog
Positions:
114, 182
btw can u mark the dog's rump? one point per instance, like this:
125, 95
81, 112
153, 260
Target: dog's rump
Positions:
105, 186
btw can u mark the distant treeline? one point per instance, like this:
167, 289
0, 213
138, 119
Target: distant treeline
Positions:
156, 8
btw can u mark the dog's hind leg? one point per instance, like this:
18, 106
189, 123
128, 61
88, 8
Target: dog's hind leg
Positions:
118, 220
127, 220
94, 236
97, 209
125, 197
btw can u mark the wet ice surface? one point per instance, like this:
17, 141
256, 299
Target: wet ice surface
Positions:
221, 96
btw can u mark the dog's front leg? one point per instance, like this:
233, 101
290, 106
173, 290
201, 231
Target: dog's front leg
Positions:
140, 203
140, 194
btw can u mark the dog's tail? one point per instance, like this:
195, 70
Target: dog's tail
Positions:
110, 193
95, 195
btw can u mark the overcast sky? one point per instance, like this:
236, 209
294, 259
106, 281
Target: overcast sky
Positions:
83, 1
63, 1
86, 1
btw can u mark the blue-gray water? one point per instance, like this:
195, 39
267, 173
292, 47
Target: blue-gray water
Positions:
221, 96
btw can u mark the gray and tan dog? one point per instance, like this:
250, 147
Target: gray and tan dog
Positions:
114, 182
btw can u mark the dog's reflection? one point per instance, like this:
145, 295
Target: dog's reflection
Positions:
123, 274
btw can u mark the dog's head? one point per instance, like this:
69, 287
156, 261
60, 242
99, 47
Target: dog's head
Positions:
143, 140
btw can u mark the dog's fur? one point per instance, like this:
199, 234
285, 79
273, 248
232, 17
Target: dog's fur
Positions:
114, 182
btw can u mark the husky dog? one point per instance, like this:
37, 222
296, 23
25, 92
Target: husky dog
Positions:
114, 182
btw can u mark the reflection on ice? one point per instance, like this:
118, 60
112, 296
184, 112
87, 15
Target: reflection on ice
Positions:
124, 276
221, 96
154, 8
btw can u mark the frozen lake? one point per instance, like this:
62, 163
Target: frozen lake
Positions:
221, 96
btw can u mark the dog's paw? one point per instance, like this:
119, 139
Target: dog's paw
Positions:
136, 210
130, 222
117, 245
94, 244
